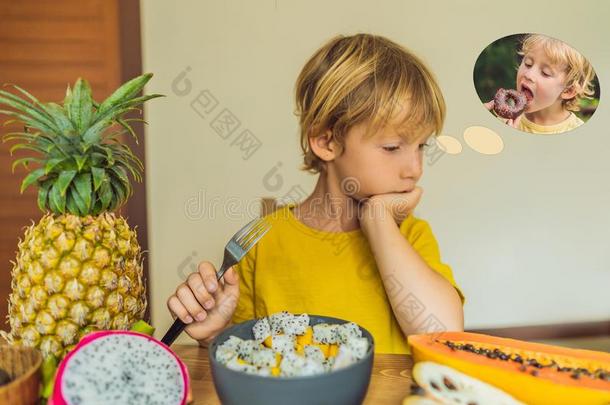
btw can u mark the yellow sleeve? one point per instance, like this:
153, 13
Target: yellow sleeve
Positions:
422, 239
245, 304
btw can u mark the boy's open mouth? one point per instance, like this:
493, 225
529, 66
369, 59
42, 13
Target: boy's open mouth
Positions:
529, 94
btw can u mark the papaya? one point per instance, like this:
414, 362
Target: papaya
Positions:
449, 386
534, 373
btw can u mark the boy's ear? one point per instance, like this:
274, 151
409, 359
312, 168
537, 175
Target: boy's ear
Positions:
569, 92
324, 146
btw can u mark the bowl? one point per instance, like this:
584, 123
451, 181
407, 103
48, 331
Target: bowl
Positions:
23, 366
346, 386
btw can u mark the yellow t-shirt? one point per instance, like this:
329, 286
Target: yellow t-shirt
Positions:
300, 269
566, 125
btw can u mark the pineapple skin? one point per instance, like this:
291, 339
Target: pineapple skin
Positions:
74, 275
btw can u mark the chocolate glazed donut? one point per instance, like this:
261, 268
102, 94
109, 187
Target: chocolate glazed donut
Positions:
509, 103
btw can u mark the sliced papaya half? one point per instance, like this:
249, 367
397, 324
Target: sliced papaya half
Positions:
534, 373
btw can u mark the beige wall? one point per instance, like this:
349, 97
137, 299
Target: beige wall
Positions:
526, 231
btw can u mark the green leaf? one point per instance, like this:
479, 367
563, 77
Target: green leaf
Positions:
49, 369
128, 128
24, 161
36, 138
93, 134
120, 173
27, 147
80, 161
98, 177
28, 95
126, 91
60, 118
57, 202
120, 191
43, 193
105, 194
107, 152
81, 107
29, 121
51, 163
31, 178
68, 100
77, 203
82, 184
71, 205
64, 180
25, 107
143, 327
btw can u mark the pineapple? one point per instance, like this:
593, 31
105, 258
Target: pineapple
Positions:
80, 268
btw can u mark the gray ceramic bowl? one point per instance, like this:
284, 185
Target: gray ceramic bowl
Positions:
347, 386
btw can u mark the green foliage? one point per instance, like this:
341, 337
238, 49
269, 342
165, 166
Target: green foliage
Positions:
496, 67
82, 167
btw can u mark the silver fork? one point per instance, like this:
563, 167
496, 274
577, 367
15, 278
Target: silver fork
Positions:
235, 250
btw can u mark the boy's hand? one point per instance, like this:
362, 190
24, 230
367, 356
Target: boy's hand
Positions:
396, 205
511, 122
203, 303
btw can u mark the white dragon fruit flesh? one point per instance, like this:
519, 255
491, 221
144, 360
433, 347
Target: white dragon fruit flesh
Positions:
121, 367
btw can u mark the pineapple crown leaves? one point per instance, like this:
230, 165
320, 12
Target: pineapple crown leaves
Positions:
82, 167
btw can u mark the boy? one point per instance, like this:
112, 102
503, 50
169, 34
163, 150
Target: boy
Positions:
554, 77
352, 249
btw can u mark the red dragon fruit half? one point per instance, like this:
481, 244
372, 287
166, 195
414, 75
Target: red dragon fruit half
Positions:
121, 367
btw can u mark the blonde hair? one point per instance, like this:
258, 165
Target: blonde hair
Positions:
363, 78
579, 72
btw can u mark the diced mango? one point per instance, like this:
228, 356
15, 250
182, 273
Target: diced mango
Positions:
306, 338
278, 359
333, 350
241, 361
299, 349
275, 371
324, 347
268, 342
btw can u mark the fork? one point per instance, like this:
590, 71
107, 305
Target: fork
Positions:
235, 250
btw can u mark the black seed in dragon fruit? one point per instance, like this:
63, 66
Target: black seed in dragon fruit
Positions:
247, 348
283, 343
346, 331
359, 346
324, 333
261, 330
296, 325
314, 352
264, 357
278, 320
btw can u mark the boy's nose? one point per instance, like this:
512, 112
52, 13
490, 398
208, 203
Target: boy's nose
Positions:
528, 76
412, 169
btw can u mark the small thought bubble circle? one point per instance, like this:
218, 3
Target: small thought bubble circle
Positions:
483, 140
449, 144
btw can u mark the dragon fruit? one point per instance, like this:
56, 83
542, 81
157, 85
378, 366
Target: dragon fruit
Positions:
121, 367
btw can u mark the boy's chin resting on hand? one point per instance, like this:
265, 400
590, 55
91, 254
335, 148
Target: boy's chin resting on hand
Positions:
395, 206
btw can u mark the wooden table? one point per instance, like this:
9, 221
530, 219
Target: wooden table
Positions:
390, 381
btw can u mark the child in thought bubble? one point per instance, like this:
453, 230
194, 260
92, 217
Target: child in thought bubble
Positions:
352, 249
554, 77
